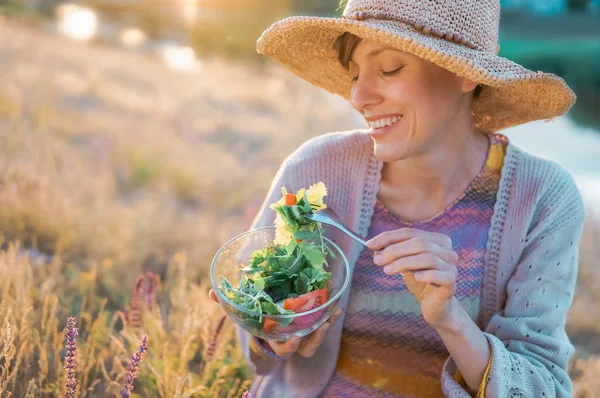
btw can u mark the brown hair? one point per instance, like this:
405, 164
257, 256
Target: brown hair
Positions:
345, 45
347, 42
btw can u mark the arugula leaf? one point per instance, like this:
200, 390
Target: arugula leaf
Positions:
330, 251
271, 308
311, 279
259, 282
289, 249
304, 234
285, 213
275, 309
304, 204
225, 283
281, 291
314, 256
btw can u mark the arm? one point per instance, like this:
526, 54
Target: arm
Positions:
468, 347
529, 347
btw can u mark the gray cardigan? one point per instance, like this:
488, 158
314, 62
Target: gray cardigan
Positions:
529, 279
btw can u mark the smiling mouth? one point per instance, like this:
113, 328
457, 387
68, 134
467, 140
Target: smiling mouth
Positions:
384, 122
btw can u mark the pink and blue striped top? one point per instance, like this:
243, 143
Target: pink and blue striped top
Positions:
387, 348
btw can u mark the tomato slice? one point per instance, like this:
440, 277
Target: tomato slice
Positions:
269, 325
307, 301
304, 302
290, 199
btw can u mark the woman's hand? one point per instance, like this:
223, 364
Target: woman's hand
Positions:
306, 346
428, 265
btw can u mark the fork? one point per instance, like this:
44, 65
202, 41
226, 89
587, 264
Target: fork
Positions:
329, 217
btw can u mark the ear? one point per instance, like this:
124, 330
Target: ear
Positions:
467, 86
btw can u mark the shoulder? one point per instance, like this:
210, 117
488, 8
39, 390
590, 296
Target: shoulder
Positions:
334, 144
547, 185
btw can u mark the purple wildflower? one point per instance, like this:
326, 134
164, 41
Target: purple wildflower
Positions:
70, 363
246, 394
212, 343
144, 291
134, 366
150, 289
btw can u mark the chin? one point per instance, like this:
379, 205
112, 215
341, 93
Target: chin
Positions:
390, 152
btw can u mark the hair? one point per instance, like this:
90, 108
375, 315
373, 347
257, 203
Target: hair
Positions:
347, 42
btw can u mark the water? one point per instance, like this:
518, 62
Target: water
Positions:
575, 148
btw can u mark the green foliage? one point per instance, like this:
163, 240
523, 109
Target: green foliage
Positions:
278, 272
575, 58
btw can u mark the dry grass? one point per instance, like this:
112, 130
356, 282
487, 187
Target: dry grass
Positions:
107, 154
36, 299
112, 166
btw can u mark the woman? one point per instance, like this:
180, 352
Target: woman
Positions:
476, 239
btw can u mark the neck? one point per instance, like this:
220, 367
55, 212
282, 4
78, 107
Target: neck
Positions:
425, 184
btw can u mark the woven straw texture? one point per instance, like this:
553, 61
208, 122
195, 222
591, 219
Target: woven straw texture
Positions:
511, 94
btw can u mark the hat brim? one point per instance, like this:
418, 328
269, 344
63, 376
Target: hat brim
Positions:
511, 94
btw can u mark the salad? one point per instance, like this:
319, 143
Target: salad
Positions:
288, 276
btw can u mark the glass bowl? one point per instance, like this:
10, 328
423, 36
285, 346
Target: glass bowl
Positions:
235, 254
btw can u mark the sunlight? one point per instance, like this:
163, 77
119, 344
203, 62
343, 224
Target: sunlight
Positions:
79, 23
190, 11
180, 58
132, 37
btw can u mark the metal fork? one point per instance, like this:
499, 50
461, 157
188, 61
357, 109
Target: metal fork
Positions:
329, 217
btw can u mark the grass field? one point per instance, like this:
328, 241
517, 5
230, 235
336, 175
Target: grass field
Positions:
116, 172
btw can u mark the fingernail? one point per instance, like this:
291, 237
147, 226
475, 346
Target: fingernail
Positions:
377, 258
387, 269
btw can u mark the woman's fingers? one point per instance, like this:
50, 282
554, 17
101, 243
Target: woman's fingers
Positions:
213, 295
418, 262
446, 280
285, 348
436, 277
413, 247
399, 235
310, 344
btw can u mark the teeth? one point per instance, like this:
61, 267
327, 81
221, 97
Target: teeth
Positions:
384, 122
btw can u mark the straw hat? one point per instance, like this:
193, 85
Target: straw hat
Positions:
458, 35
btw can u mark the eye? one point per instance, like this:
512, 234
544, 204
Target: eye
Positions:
392, 73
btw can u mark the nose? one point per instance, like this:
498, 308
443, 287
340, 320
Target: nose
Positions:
364, 93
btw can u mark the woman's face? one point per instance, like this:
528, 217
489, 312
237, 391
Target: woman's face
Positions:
418, 101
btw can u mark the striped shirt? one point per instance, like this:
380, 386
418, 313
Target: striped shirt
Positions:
387, 348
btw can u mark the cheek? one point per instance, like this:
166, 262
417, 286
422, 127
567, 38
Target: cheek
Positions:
399, 93
412, 98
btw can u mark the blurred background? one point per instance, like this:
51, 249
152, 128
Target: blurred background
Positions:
138, 136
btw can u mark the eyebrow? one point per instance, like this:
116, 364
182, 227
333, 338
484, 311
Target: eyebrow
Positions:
377, 51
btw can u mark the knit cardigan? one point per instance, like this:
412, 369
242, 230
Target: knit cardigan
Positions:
529, 278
